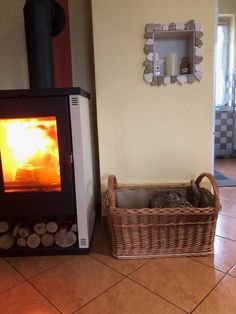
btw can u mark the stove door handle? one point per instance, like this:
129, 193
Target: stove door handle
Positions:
2, 189
69, 167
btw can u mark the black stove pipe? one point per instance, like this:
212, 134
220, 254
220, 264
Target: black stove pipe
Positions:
38, 30
43, 20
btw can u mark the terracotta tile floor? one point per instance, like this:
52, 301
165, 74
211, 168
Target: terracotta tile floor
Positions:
98, 283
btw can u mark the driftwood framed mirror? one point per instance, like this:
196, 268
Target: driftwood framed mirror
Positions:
173, 53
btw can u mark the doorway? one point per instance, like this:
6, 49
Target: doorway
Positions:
225, 96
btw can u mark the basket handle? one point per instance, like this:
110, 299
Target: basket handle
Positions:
112, 185
213, 183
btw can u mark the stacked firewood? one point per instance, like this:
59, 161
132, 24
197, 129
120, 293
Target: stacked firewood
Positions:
34, 233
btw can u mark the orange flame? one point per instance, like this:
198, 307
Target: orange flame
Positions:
30, 156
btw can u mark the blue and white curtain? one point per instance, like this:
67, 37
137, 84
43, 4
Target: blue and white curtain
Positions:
222, 58
231, 87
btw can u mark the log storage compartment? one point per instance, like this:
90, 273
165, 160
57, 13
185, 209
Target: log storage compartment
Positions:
39, 233
139, 231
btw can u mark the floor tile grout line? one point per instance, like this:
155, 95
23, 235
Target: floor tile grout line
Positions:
147, 262
12, 287
226, 215
208, 293
14, 268
25, 279
28, 281
221, 212
42, 295
232, 276
84, 304
156, 294
127, 277
100, 294
219, 236
192, 258
118, 270
225, 238
41, 272
228, 273
97, 260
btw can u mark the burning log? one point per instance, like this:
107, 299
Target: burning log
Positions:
21, 242
25, 175
40, 228
47, 239
65, 237
52, 226
33, 241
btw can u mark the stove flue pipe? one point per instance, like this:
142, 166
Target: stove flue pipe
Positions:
38, 30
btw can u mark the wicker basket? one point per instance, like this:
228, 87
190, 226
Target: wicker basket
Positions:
141, 232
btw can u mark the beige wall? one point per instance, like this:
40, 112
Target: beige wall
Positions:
80, 31
13, 59
149, 134
227, 6
13, 56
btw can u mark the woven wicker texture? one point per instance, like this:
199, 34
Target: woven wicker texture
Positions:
160, 232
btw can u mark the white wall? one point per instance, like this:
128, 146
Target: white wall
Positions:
150, 134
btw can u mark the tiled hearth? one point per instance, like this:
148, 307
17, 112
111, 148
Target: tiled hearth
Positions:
98, 283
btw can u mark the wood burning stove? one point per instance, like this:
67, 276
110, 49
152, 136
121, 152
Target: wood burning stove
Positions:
46, 161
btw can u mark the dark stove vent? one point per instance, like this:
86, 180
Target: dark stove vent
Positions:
74, 100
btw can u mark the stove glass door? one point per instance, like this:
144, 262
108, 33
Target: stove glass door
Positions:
30, 156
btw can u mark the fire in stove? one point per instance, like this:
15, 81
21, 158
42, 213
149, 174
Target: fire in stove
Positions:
30, 156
